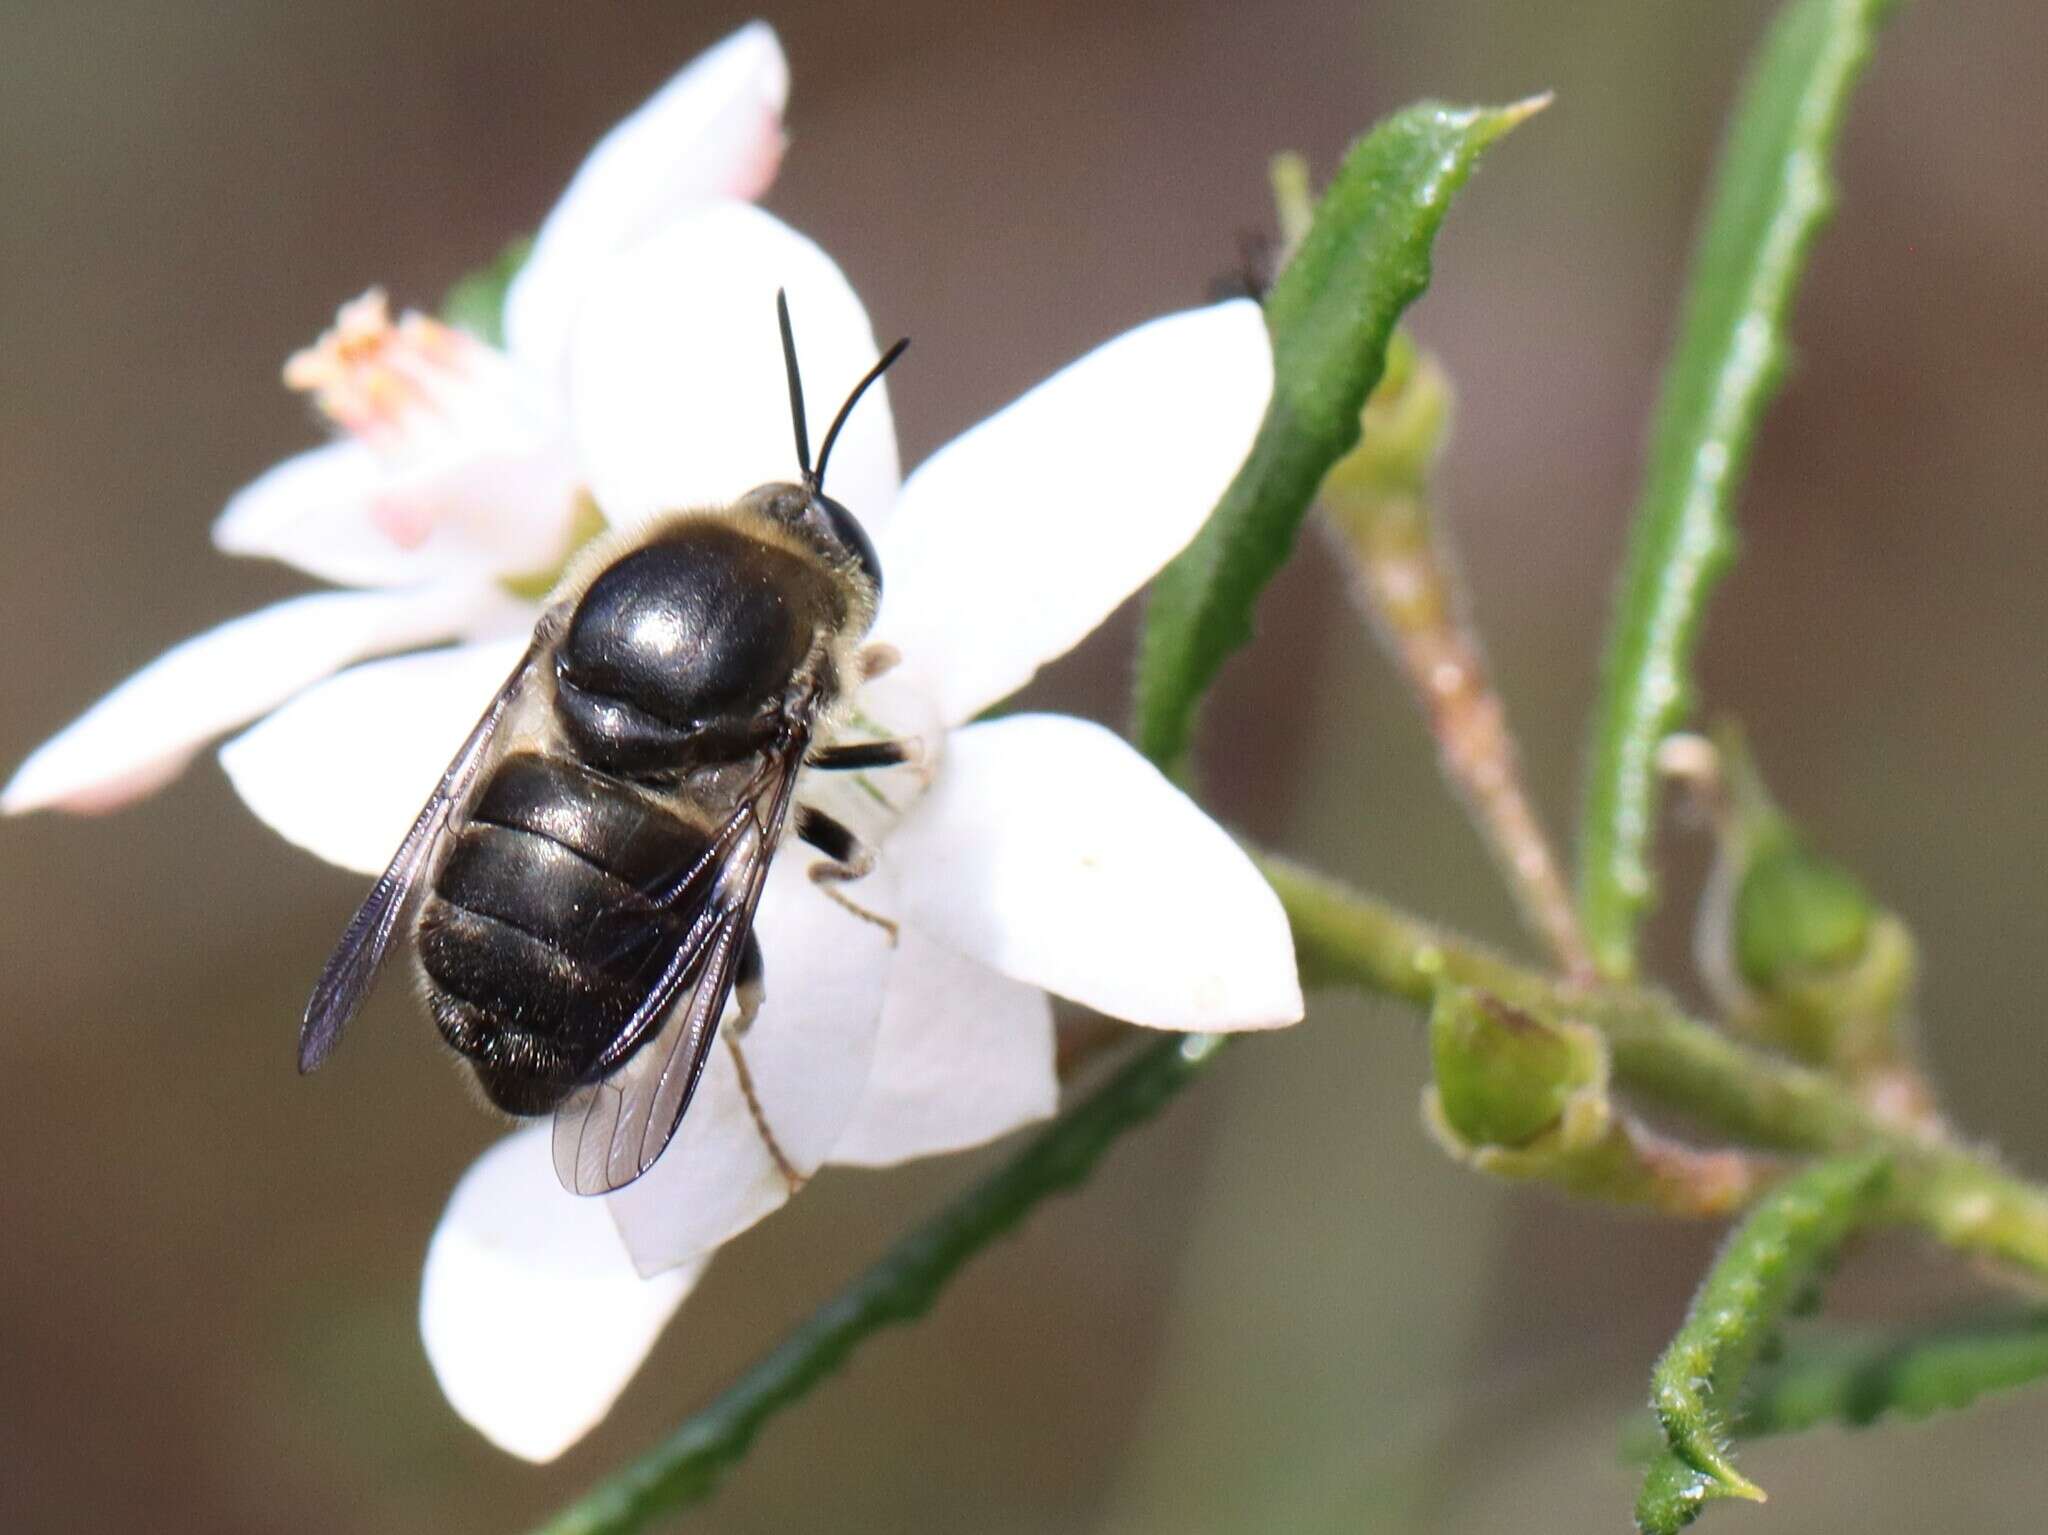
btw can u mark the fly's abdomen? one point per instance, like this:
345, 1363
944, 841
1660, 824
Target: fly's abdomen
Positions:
539, 938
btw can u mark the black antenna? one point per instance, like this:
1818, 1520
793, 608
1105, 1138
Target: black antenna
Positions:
796, 391
817, 480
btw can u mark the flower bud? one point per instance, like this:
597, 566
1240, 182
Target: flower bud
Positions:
1796, 913
1503, 1076
1406, 423
1524, 1097
1792, 944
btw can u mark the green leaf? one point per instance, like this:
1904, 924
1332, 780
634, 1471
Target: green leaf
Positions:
1673, 1495
1857, 1379
1772, 193
900, 1287
1365, 259
476, 303
1770, 1264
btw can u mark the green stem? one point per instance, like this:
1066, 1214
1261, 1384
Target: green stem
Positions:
900, 1287
1959, 1194
1378, 502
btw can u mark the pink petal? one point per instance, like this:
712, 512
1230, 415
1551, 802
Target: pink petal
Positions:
715, 130
480, 505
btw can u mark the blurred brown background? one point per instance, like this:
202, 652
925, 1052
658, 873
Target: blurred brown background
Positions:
1279, 1308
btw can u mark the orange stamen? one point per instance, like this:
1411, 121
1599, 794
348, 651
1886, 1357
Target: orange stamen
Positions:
368, 374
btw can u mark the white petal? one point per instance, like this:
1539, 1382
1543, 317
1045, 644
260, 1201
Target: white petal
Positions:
1050, 850
966, 1055
895, 707
144, 732
533, 1315
1012, 542
488, 505
808, 1053
343, 768
715, 130
677, 392
313, 511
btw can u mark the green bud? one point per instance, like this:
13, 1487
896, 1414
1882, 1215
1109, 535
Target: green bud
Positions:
1851, 1015
1504, 1077
1795, 948
1796, 913
1294, 203
1407, 421
1524, 1097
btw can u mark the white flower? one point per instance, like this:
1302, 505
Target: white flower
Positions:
1034, 854
1026, 856
454, 466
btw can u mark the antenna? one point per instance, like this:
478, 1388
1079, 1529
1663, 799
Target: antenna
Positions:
796, 390
859, 389
814, 479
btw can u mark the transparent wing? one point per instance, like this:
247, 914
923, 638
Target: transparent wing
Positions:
353, 967
609, 1132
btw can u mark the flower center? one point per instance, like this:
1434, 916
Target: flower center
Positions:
373, 376
428, 398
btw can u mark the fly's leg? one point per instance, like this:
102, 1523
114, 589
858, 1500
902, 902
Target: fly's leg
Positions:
776, 1154
857, 756
847, 859
748, 987
749, 991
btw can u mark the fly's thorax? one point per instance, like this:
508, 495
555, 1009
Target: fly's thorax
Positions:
683, 648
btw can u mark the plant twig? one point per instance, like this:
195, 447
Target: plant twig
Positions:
1959, 1194
1342, 937
1377, 502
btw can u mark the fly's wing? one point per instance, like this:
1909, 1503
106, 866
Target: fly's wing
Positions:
609, 1132
352, 969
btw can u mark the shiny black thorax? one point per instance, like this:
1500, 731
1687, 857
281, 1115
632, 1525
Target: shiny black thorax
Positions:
681, 654
541, 933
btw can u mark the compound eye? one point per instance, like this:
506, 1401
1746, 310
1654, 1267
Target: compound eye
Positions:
846, 530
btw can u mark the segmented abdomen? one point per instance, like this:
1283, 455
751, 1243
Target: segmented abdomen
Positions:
539, 938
